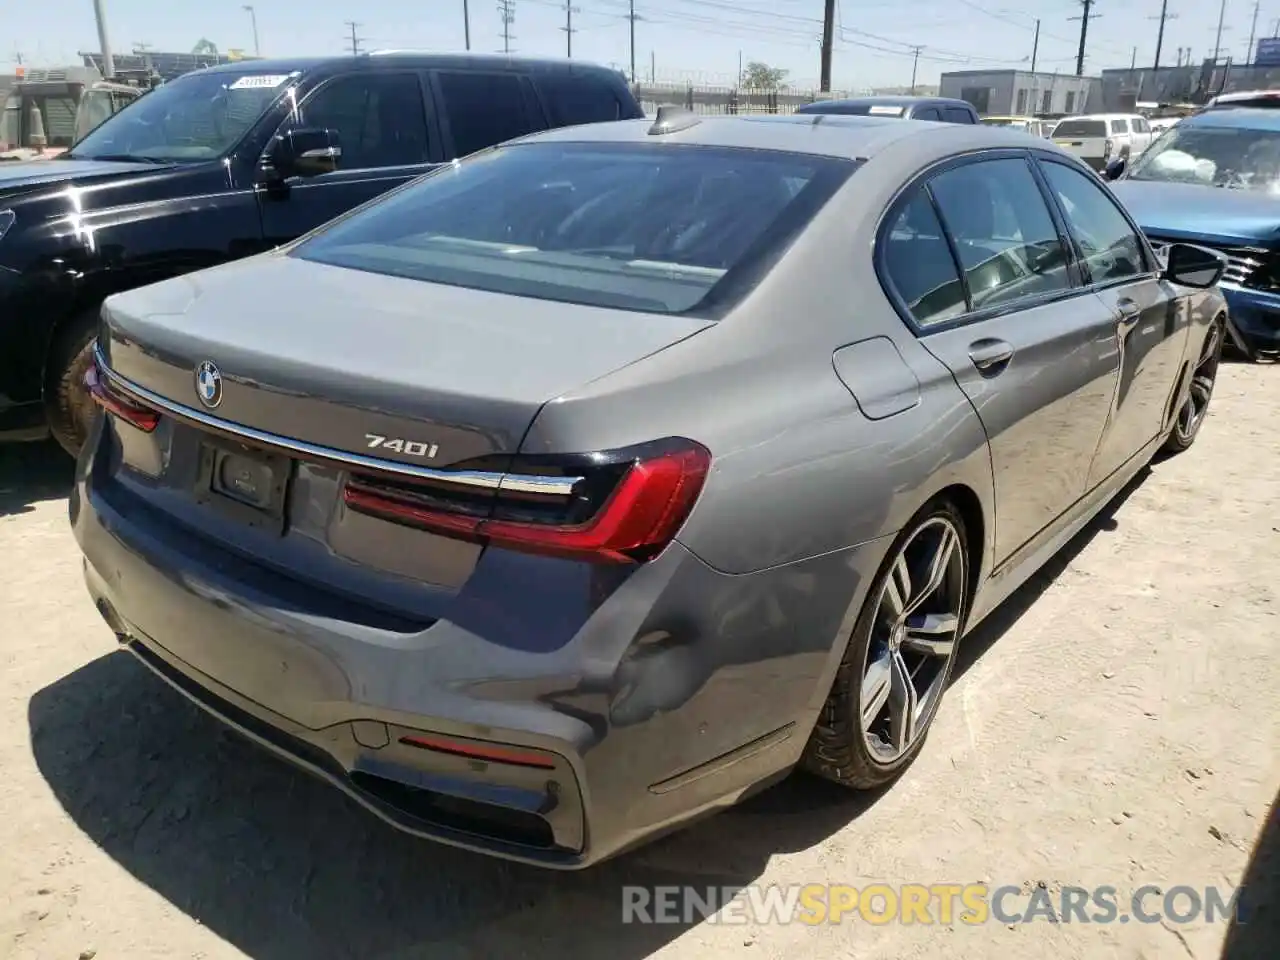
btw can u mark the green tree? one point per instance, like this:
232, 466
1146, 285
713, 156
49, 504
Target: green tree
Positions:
761, 76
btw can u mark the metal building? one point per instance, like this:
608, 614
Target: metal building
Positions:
1022, 93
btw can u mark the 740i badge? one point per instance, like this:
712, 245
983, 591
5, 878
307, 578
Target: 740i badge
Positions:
413, 448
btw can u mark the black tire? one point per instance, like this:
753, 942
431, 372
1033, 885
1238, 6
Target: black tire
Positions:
838, 748
68, 406
1186, 426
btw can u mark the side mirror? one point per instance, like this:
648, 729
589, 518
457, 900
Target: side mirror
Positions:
1114, 169
305, 152
1193, 266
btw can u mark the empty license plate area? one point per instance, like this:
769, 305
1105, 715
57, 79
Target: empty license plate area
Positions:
244, 482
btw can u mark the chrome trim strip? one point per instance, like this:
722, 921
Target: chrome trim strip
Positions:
515, 483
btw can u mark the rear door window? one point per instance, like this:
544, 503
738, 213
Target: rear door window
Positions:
482, 109
920, 266
1119, 126
573, 100
927, 113
957, 115
1004, 235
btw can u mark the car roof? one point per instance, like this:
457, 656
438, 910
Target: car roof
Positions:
1243, 118
1101, 116
820, 134
406, 58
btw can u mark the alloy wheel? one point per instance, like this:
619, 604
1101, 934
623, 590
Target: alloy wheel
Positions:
1192, 412
913, 640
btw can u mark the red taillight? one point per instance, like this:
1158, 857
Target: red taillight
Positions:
475, 751
640, 516
143, 418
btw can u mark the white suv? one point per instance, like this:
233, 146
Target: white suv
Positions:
1098, 137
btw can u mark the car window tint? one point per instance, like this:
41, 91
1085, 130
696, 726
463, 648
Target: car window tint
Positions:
483, 109
919, 264
1004, 234
572, 100
957, 115
1119, 126
379, 118
1108, 246
927, 113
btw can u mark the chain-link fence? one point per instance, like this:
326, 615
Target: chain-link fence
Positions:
726, 100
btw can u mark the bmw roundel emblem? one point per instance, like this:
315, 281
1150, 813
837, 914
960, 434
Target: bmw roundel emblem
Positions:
209, 384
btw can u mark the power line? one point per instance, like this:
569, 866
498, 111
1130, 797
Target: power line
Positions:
828, 40
507, 13
355, 41
1253, 30
1086, 6
1164, 15
569, 31
1217, 43
631, 16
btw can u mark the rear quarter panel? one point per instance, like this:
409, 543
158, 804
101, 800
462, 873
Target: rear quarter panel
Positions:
799, 469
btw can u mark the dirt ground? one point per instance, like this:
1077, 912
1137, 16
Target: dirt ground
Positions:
1115, 723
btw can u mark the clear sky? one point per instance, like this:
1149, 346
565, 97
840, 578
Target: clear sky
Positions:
695, 40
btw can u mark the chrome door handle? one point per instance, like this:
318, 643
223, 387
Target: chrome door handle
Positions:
990, 355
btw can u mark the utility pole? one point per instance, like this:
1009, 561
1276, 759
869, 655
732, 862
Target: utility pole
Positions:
355, 41
1087, 8
466, 24
507, 11
1164, 16
739, 69
1217, 43
631, 16
828, 38
108, 62
253, 19
1133, 60
1253, 30
569, 11
1035, 47
915, 62
653, 67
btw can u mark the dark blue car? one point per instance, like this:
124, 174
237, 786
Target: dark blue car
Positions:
1214, 180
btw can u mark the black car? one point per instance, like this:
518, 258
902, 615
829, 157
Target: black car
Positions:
232, 161
937, 109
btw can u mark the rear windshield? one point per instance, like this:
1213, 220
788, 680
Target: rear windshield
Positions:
1081, 128
855, 109
647, 227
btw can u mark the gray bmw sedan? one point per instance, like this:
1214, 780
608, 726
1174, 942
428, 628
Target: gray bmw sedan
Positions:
593, 481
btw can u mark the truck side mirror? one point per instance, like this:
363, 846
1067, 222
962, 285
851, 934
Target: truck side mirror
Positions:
305, 152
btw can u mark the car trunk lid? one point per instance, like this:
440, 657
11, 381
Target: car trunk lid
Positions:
367, 365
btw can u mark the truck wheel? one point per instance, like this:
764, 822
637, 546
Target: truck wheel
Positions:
68, 406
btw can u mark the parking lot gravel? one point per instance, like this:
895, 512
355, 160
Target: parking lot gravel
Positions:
1116, 723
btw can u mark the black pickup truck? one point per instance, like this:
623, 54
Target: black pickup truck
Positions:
232, 161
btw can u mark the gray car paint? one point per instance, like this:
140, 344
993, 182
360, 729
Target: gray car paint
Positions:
646, 682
